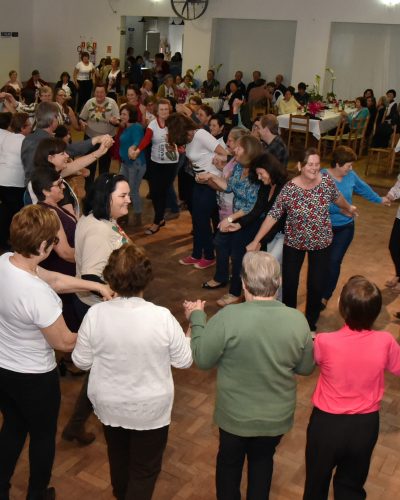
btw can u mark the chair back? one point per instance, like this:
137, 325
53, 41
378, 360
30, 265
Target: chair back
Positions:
298, 124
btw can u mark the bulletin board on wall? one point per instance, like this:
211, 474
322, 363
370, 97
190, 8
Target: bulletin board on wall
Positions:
9, 56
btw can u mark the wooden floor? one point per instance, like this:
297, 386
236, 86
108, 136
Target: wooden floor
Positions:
189, 461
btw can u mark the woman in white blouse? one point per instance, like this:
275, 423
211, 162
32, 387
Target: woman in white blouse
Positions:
83, 79
130, 347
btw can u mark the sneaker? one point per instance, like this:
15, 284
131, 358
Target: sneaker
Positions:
228, 299
189, 261
204, 263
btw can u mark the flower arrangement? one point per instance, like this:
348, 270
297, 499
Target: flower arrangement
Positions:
314, 107
182, 94
315, 95
331, 96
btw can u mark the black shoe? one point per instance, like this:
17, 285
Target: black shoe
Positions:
84, 438
210, 287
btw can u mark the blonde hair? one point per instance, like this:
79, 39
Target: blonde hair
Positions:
261, 274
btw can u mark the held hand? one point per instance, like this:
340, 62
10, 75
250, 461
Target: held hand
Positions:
386, 201
203, 178
234, 226
133, 152
84, 172
219, 161
236, 105
114, 120
190, 306
106, 292
253, 246
102, 149
83, 125
224, 225
350, 212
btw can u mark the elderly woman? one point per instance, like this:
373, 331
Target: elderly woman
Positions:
200, 148
68, 87
305, 200
258, 347
288, 104
32, 326
67, 115
97, 235
114, 78
134, 404
359, 115
348, 183
344, 424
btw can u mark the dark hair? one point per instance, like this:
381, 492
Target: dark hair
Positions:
304, 155
5, 120
360, 303
342, 155
100, 86
196, 99
271, 84
368, 90
46, 147
212, 71
35, 72
132, 111
133, 87
290, 89
270, 164
108, 61
220, 119
302, 86
179, 126
84, 54
392, 91
43, 178
207, 109
363, 101
98, 198
18, 121
128, 270
10, 90
65, 73
160, 55
61, 131
28, 95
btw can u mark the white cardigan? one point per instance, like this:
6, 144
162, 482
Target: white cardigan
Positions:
130, 345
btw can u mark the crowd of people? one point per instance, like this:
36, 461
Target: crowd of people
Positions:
251, 220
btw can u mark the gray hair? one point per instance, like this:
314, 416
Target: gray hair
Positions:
238, 132
261, 274
45, 114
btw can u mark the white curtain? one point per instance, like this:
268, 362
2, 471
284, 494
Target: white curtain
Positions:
363, 56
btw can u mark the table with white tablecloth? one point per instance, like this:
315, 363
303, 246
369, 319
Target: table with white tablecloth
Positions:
214, 102
329, 120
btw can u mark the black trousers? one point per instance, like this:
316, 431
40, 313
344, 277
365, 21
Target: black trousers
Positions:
30, 404
11, 202
318, 267
135, 460
260, 462
161, 177
84, 93
342, 441
394, 245
104, 167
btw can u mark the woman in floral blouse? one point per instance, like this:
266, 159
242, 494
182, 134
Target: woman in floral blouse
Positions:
305, 201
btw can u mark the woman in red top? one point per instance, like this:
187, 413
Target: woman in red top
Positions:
344, 424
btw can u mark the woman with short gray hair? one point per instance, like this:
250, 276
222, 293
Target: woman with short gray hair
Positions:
258, 347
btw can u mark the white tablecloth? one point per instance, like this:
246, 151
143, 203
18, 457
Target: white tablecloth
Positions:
214, 103
329, 120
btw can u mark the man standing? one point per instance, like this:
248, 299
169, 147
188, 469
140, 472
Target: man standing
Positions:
99, 116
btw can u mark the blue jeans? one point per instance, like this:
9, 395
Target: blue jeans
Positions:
134, 173
342, 237
233, 245
204, 205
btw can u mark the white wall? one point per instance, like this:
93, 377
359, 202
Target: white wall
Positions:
56, 31
256, 38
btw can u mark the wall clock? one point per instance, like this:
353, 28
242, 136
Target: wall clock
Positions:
189, 9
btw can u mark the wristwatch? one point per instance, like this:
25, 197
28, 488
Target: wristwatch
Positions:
230, 220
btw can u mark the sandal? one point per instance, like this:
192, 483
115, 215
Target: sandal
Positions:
154, 228
228, 299
213, 287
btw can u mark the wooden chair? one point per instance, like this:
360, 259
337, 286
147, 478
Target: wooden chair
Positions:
333, 140
299, 126
389, 152
356, 135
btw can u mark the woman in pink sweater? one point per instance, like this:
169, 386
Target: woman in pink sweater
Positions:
344, 424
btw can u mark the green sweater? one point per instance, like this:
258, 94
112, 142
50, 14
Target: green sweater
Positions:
258, 348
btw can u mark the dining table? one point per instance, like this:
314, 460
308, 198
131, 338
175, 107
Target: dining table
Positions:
328, 119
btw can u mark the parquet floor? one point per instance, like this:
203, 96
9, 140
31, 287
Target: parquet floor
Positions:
81, 473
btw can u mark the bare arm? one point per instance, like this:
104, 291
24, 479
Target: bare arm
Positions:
347, 209
62, 249
61, 283
84, 161
265, 228
74, 77
74, 121
59, 336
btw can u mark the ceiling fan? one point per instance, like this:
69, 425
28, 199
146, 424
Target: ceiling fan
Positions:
189, 9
